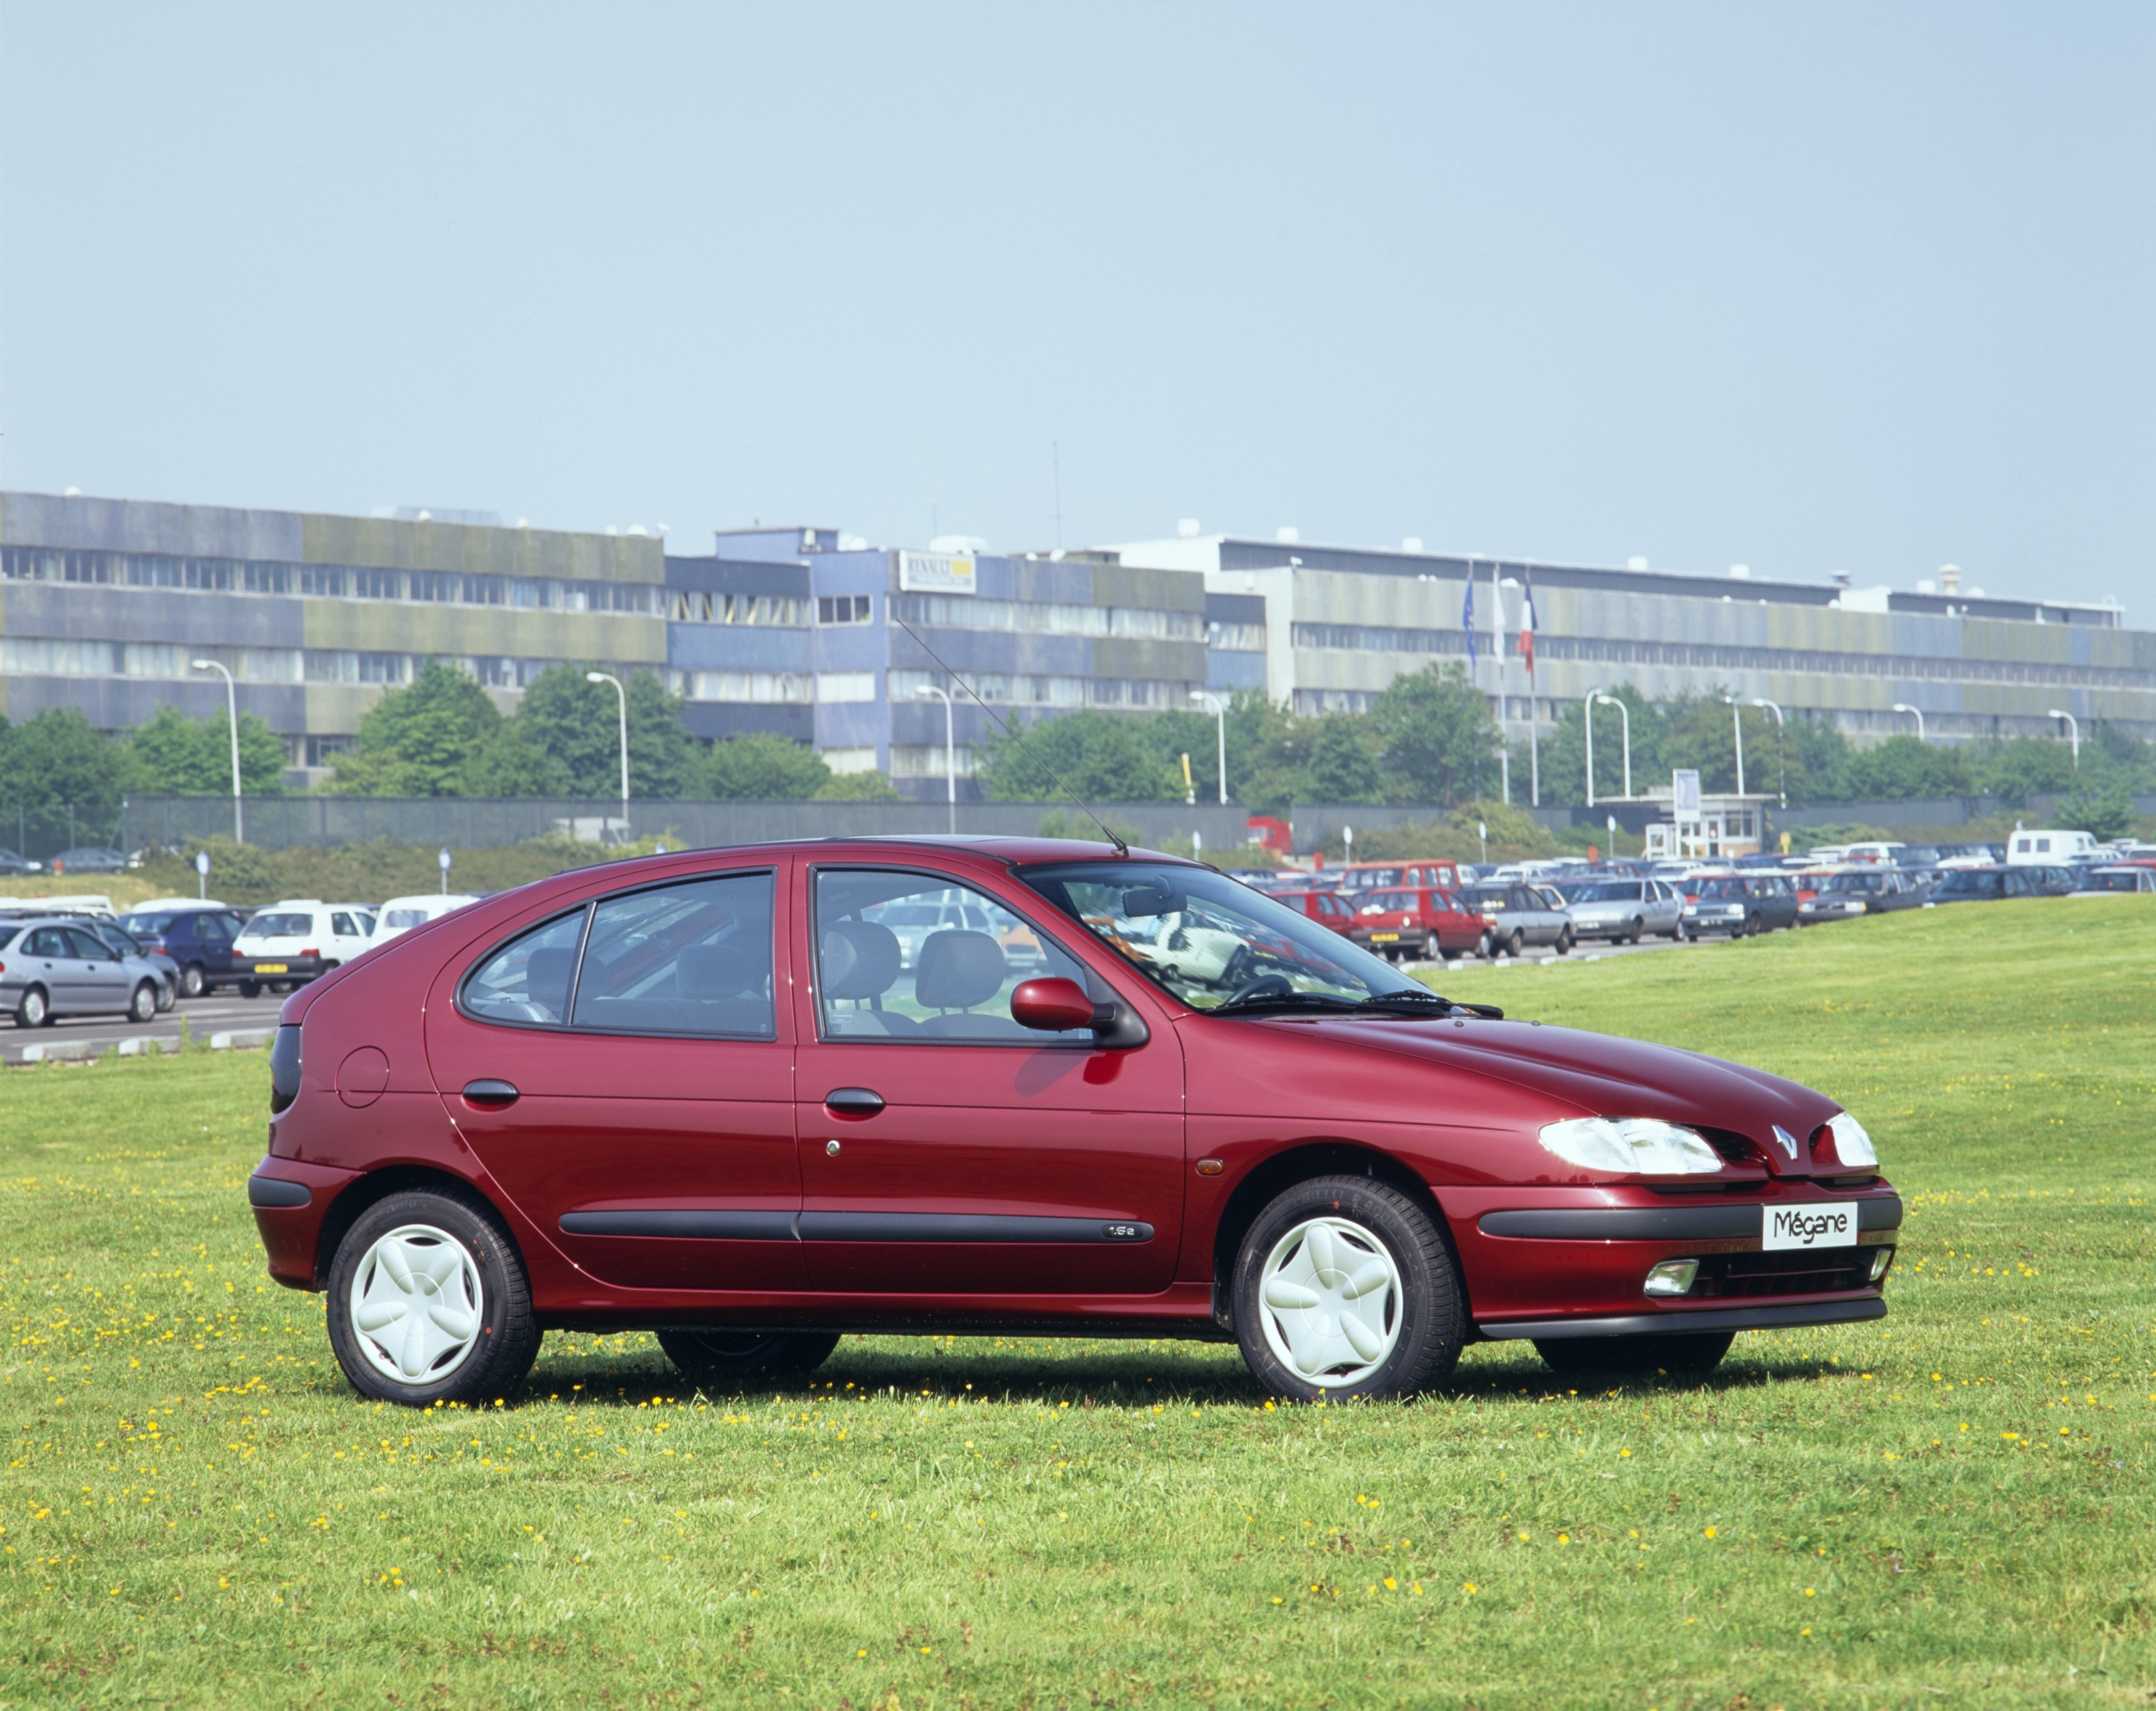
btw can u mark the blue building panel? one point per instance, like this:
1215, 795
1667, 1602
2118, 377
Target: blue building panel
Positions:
1227, 670
737, 647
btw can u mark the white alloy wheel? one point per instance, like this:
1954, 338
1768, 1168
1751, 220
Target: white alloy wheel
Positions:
1331, 1295
416, 1304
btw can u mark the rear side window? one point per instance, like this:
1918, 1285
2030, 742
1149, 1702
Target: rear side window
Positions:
46, 941
397, 918
682, 958
344, 925
528, 980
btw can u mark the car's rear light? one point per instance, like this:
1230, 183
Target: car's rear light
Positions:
310, 950
284, 1068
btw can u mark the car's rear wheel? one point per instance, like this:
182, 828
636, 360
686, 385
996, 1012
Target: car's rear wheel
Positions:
1638, 932
142, 1003
1674, 1355
735, 1356
191, 984
1486, 947
33, 1010
1516, 943
1565, 942
1344, 1288
429, 1302
1752, 925
251, 988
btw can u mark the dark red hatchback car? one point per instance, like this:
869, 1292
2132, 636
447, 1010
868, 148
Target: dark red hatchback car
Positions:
717, 1094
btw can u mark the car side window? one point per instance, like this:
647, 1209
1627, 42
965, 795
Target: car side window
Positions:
344, 925
692, 958
88, 946
892, 964
528, 980
45, 941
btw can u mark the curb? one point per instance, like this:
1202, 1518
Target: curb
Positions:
138, 1045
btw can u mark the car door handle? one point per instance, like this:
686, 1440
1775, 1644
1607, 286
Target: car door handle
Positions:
853, 1101
490, 1093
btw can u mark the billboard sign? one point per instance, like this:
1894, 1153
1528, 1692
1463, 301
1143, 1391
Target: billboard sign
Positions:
1685, 793
935, 573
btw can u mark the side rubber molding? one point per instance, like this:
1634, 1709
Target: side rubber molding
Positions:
268, 1191
1663, 1223
849, 1226
696, 1226
1665, 1324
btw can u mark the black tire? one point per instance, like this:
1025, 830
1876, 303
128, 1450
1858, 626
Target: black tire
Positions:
251, 988
1684, 1356
1564, 943
1751, 926
1426, 1311
505, 1339
142, 1002
744, 1356
167, 997
35, 1010
1515, 945
192, 983
1433, 949
1639, 932
1486, 948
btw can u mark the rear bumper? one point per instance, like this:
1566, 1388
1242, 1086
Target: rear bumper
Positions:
279, 968
290, 1200
1697, 1320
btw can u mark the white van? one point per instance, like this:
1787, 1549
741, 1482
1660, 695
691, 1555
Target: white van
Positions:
2046, 848
400, 915
290, 943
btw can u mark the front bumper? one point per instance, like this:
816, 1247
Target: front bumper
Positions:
1779, 1316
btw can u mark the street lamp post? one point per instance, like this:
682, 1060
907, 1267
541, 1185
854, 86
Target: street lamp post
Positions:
2073, 732
1736, 723
1217, 704
1587, 712
950, 751
232, 720
1916, 713
621, 696
1781, 763
1625, 714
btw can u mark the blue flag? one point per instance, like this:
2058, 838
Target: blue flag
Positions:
1467, 620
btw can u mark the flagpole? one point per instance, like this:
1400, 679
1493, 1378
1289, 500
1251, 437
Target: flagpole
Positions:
1496, 651
1534, 745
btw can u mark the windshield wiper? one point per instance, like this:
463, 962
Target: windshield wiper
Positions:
1428, 1003
1284, 1000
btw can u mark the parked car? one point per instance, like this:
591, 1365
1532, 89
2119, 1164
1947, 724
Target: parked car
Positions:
1429, 923
1517, 915
1971, 854
400, 915
2102, 882
1328, 909
1392, 876
198, 936
1622, 910
90, 859
1878, 891
2046, 846
1743, 905
1985, 885
292, 942
2048, 879
12, 863
1350, 1174
56, 966
121, 943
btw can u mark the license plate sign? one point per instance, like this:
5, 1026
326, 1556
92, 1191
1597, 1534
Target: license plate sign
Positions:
1787, 1227
1384, 938
272, 968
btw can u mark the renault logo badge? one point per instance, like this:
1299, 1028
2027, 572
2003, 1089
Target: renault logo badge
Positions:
1788, 1140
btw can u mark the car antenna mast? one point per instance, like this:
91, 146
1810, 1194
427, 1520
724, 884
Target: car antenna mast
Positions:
1122, 847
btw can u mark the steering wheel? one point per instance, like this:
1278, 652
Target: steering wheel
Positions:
1266, 985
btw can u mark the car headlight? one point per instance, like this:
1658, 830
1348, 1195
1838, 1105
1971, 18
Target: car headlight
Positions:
1852, 1145
1632, 1145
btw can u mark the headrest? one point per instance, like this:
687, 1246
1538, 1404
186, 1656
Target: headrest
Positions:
958, 969
546, 973
722, 971
860, 959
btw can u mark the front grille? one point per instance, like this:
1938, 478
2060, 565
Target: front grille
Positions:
1751, 1275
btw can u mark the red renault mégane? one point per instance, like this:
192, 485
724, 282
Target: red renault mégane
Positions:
755, 1098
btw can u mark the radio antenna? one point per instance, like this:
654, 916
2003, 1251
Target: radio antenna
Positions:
1121, 849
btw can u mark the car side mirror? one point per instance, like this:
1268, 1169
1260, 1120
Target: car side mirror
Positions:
1053, 1005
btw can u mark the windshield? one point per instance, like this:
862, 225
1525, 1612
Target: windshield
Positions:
1972, 882
155, 926
278, 927
1853, 882
1603, 891
1209, 940
1722, 888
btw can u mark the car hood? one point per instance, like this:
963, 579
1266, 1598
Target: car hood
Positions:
1601, 1074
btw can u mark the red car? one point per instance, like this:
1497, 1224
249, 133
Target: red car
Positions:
1333, 910
1428, 924
705, 1093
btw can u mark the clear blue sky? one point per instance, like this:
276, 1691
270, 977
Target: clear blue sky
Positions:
1813, 288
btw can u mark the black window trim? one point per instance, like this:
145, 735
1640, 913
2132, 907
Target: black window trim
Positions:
1045, 1043
588, 909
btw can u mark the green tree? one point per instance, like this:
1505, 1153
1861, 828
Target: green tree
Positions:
576, 724
2104, 814
2015, 768
1437, 734
2113, 758
1699, 731
512, 762
175, 756
857, 787
57, 759
1565, 751
1343, 760
1902, 768
1818, 761
421, 740
1100, 757
764, 767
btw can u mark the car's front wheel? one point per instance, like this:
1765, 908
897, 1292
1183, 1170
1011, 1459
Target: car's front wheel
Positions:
1515, 945
429, 1302
740, 1356
1672, 1354
1343, 1287
33, 1010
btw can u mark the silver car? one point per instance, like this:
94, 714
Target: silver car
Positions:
1516, 915
53, 967
1622, 910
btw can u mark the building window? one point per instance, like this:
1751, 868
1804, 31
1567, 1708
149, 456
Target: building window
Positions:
753, 686
844, 608
320, 749
1236, 638
846, 685
927, 760
843, 761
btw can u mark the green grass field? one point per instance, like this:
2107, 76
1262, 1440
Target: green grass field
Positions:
1951, 1508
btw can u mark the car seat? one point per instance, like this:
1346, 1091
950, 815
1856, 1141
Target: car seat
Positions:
859, 962
958, 969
